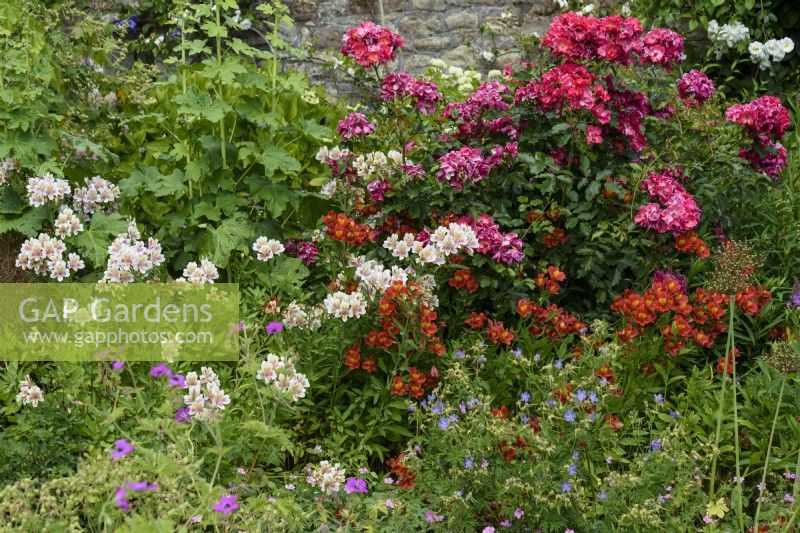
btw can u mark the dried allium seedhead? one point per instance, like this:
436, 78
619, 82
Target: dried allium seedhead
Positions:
734, 266
599, 327
785, 357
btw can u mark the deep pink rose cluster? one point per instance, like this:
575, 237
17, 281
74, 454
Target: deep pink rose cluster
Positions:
468, 165
575, 36
765, 120
677, 211
662, 47
501, 247
370, 44
354, 125
769, 159
502, 153
489, 96
630, 107
694, 87
425, 94
463, 165
615, 39
569, 85
503, 124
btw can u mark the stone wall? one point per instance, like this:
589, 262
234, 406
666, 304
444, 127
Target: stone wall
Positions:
477, 33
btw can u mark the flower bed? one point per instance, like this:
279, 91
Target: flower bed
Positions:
523, 304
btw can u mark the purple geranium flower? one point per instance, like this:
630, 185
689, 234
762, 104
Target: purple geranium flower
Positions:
431, 517
273, 328
177, 380
182, 415
136, 486
117, 365
159, 370
355, 484
141, 486
226, 504
121, 448
122, 501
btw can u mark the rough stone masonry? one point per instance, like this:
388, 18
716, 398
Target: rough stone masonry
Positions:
478, 34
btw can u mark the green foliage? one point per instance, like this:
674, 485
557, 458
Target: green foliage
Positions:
733, 69
207, 151
216, 147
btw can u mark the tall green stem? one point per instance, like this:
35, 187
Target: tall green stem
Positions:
796, 475
715, 451
183, 54
769, 453
729, 352
218, 441
221, 86
183, 86
274, 63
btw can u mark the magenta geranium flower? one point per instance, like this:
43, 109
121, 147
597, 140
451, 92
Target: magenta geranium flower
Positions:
177, 380
121, 448
226, 504
159, 370
136, 486
355, 484
273, 328
182, 415
141, 486
122, 500
503, 247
